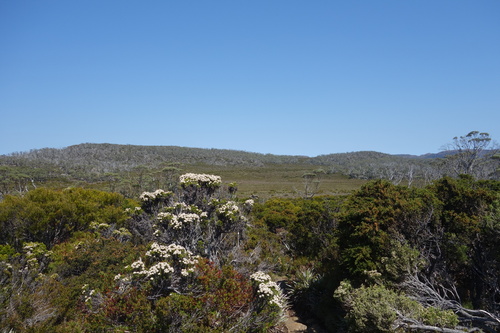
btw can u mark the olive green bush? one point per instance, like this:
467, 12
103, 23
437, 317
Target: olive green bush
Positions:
51, 216
379, 309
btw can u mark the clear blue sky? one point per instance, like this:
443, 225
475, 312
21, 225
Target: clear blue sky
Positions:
271, 76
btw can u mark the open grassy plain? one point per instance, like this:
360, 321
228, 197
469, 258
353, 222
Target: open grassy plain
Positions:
283, 180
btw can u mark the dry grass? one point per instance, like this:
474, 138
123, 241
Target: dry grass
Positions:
284, 180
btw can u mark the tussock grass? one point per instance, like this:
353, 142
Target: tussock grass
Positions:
284, 180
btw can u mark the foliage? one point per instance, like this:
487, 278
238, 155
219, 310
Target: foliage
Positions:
122, 311
471, 154
130, 170
22, 300
203, 224
305, 225
51, 216
373, 224
6, 251
221, 301
378, 309
196, 258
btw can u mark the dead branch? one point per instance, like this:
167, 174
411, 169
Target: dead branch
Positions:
428, 294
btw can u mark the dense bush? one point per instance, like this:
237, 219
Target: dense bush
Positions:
51, 216
98, 275
383, 238
385, 258
373, 221
306, 226
378, 309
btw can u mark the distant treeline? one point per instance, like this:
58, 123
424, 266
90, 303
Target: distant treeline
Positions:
111, 162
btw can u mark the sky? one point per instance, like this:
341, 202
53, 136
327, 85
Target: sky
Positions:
288, 77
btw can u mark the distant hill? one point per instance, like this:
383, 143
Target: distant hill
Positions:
113, 157
88, 159
441, 154
108, 157
132, 168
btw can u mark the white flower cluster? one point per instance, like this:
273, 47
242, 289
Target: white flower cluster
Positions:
249, 203
158, 269
99, 226
166, 251
181, 206
162, 253
138, 265
268, 289
229, 209
31, 248
87, 293
260, 277
177, 221
151, 196
34, 249
136, 209
183, 218
122, 282
200, 179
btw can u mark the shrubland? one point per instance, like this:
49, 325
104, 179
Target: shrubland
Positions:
191, 252
91, 261
131, 170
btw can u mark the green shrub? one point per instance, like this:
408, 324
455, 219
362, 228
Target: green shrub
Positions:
6, 251
377, 309
306, 226
51, 216
440, 318
85, 259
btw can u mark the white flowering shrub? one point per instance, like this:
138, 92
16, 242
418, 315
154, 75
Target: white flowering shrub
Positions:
271, 303
36, 254
92, 299
87, 293
199, 221
156, 199
228, 210
198, 189
200, 180
180, 215
152, 196
166, 268
268, 290
184, 218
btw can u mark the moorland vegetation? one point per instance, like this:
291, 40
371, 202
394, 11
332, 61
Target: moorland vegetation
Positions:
95, 241
131, 170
